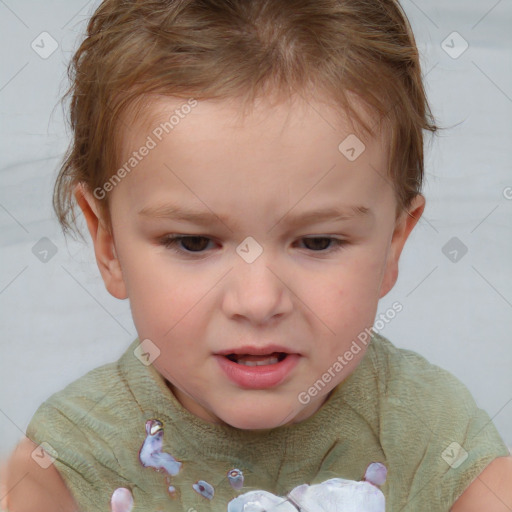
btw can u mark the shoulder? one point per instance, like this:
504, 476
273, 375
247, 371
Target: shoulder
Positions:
91, 431
398, 362
420, 396
431, 429
100, 397
407, 376
36, 475
89, 403
396, 391
93, 407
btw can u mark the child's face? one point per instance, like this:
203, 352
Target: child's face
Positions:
311, 298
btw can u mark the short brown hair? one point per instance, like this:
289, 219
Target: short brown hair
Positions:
242, 48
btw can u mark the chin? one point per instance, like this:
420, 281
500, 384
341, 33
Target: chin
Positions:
253, 424
257, 419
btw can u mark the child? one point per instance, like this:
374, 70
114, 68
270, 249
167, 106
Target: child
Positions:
215, 143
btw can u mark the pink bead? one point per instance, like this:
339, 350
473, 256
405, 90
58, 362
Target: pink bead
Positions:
122, 500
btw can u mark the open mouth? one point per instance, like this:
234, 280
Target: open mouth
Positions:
262, 371
251, 360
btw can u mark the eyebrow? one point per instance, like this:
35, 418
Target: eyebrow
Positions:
174, 212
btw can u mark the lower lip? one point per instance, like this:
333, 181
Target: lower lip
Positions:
258, 377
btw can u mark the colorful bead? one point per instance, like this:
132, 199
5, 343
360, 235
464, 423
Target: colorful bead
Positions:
376, 473
236, 478
151, 455
122, 500
204, 489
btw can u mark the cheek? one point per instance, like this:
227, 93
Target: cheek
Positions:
164, 301
345, 300
352, 282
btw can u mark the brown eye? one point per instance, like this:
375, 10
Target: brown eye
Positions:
186, 243
321, 243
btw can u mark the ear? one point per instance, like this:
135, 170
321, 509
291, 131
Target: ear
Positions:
106, 257
403, 227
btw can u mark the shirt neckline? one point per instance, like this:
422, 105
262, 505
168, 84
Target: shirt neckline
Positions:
156, 400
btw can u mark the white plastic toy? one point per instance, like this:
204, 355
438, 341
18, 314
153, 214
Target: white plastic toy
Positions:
333, 495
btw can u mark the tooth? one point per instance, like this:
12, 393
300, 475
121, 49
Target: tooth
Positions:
270, 360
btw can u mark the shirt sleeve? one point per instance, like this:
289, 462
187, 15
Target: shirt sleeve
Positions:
90, 477
91, 429
434, 435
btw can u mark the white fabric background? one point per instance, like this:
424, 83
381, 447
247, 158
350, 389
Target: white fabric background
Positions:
58, 321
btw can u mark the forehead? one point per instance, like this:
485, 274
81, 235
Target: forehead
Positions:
150, 114
218, 150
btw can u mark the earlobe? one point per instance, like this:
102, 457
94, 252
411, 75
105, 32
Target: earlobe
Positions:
403, 227
104, 248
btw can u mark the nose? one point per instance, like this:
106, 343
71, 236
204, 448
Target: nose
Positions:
257, 291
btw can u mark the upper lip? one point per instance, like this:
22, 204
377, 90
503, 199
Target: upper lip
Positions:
256, 351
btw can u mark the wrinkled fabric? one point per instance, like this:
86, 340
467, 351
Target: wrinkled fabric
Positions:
395, 408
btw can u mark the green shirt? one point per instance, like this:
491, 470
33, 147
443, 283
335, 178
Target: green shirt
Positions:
395, 408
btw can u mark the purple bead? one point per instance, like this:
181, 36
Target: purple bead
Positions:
376, 473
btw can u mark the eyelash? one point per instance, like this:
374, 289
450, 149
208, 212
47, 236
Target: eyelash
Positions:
171, 242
